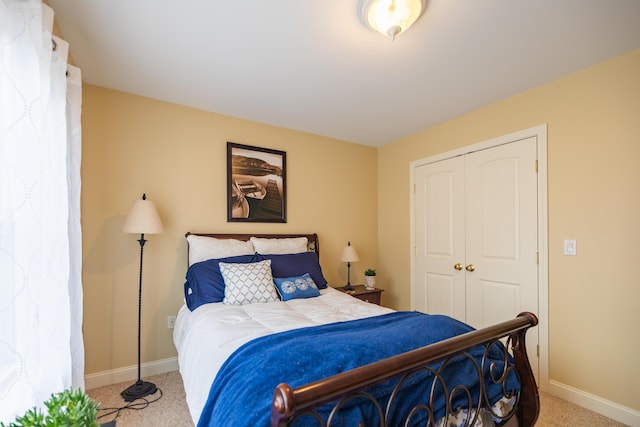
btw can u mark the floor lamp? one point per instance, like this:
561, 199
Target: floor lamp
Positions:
142, 219
349, 255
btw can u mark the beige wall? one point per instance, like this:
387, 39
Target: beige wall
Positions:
593, 135
177, 155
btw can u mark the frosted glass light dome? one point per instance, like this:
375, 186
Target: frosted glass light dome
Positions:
391, 17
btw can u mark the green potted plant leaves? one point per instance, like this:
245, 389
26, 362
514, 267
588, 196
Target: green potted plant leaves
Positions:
370, 278
69, 408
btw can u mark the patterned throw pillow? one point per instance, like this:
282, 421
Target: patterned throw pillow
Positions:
292, 265
205, 283
296, 287
248, 283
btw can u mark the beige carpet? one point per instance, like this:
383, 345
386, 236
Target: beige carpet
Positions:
171, 409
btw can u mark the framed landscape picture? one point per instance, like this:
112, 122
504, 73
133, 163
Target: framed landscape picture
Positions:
256, 184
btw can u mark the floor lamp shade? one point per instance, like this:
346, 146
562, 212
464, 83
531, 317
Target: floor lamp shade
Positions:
142, 219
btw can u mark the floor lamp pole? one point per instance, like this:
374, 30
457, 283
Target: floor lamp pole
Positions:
141, 388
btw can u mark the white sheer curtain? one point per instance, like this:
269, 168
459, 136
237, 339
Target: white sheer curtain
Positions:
41, 347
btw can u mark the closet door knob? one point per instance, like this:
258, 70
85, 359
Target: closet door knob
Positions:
458, 266
470, 267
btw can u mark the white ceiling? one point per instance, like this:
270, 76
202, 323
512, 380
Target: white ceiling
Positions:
311, 65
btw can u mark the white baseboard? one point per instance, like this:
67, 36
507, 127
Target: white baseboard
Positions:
594, 403
130, 373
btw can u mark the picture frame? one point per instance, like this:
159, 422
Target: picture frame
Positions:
256, 184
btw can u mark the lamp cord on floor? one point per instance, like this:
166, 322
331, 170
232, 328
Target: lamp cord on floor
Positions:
135, 405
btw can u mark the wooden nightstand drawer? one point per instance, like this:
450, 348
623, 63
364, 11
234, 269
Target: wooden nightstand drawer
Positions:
359, 291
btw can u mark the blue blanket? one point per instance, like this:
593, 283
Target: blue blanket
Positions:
242, 391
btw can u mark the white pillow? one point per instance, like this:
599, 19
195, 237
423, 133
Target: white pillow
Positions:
248, 283
202, 248
289, 245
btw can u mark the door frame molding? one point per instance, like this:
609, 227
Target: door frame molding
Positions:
540, 133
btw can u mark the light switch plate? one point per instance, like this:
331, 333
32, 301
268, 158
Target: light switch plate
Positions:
570, 248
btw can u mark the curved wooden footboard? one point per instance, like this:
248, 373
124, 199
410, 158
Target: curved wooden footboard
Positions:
290, 403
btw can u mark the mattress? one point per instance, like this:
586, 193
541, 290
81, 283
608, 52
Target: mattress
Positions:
207, 336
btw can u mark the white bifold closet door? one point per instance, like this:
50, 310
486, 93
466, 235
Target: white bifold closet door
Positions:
476, 236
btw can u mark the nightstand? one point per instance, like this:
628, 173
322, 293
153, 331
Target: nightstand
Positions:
360, 292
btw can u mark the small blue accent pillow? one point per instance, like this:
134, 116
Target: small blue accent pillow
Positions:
293, 265
205, 283
296, 287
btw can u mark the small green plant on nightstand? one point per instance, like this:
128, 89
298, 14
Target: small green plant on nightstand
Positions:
72, 408
370, 279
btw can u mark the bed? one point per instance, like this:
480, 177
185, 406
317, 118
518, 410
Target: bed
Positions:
263, 340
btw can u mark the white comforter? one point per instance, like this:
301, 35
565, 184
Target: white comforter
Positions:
205, 337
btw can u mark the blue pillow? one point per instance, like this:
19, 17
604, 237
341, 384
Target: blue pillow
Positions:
296, 287
205, 283
293, 265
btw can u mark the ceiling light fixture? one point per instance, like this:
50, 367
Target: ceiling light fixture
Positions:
391, 17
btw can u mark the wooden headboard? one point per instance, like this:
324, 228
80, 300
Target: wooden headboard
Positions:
313, 244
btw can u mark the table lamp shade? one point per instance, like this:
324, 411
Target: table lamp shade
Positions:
349, 254
142, 219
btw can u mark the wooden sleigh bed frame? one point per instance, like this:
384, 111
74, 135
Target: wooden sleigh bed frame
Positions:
289, 403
